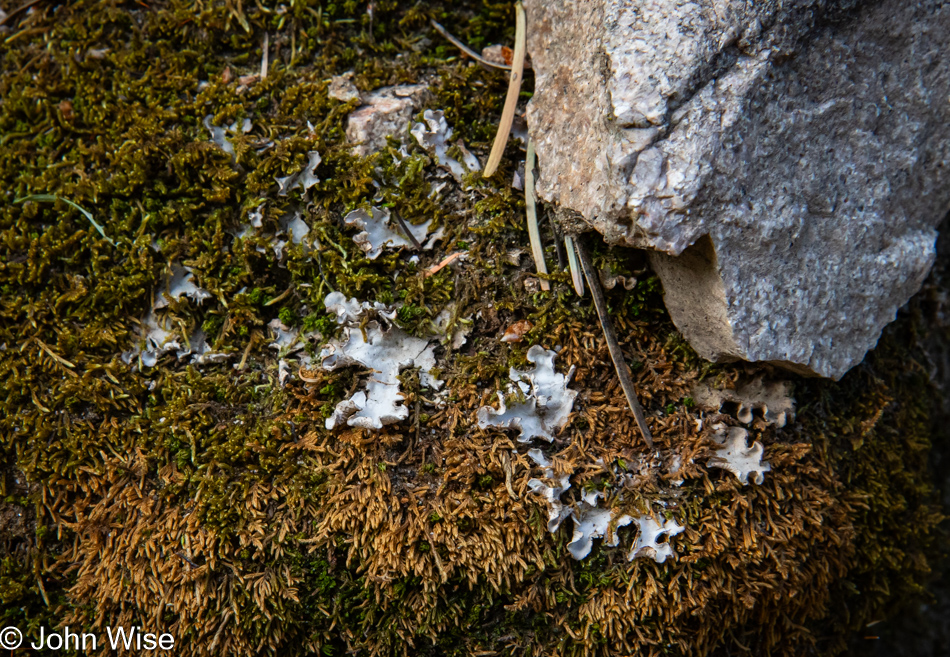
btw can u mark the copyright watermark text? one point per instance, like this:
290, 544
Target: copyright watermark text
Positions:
133, 638
10, 638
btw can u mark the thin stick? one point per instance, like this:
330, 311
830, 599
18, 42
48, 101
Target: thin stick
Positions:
511, 98
577, 276
265, 58
531, 210
11, 15
468, 51
616, 355
247, 350
405, 229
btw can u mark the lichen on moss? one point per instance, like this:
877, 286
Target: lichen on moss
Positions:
210, 498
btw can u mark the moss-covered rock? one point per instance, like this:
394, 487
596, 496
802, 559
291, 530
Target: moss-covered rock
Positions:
205, 498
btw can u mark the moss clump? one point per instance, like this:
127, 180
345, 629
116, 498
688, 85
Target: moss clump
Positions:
208, 498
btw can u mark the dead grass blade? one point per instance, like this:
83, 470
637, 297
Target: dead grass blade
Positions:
531, 210
577, 276
616, 355
52, 198
468, 51
265, 58
511, 98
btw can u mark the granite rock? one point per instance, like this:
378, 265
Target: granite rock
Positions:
785, 161
386, 111
343, 89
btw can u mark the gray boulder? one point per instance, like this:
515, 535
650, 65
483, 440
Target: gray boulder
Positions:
787, 162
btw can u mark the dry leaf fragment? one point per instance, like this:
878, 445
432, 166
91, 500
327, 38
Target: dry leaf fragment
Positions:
517, 331
66, 109
498, 54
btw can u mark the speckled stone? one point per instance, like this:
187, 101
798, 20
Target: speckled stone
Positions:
787, 162
385, 112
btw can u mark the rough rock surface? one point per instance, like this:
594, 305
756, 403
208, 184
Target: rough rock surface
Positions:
386, 111
787, 161
342, 88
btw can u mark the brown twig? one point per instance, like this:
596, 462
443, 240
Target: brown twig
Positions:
247, 350
616, 355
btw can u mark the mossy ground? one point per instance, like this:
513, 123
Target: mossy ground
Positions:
208, 500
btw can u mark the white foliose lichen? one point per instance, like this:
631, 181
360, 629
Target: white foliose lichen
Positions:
304, 179
378, 233
180, 283
593, 522
674, 466
289, 343
220, 135
772, 399
291, 228
455, 333
294, 227
256, 221
157, 341
159, 336
548, 401
283, 337
350, 311
283, 371
653, 539
387, 350
557, 512
200, 351
736, 457
434, 136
